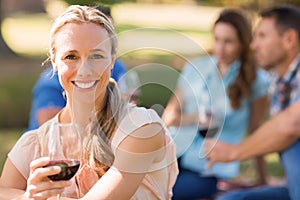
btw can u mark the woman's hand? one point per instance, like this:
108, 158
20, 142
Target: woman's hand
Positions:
171, 118
39, 186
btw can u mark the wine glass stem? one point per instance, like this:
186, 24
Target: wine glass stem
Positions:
58, 197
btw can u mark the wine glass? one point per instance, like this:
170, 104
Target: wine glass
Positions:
64, 148
209, 122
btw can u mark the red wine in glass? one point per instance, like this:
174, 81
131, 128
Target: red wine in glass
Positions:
68, 169
208, 131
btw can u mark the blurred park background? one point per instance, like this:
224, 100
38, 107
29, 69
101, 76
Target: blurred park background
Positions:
156, 38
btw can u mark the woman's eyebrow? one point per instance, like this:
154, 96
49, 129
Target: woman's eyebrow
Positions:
71, 51
94, 50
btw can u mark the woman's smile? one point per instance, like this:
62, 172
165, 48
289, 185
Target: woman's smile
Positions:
85, 84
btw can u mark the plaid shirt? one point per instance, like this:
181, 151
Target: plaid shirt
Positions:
286, 90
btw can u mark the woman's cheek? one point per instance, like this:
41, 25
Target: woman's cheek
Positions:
65, 75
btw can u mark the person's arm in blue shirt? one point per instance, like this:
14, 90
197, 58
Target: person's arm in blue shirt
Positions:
118, 70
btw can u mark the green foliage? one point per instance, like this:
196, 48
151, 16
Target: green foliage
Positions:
211, 2
94, 2
15, 100
252, 4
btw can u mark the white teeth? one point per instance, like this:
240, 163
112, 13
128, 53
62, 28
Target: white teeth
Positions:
85, 85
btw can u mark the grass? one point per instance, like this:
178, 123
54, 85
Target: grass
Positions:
274, 169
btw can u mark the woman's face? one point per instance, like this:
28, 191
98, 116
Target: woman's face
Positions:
83, 60
227, 46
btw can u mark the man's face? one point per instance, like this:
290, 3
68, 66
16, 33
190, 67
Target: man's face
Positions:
268, 44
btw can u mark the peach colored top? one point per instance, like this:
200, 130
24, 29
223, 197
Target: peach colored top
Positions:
160, 174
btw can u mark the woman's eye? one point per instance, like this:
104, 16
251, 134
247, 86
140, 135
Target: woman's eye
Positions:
71, 57
96, 56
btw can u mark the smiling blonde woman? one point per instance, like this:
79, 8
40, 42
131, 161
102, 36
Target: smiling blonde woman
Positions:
128, 153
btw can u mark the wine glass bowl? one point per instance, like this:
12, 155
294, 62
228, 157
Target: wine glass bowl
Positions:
64, 149
68, 169
209, 123
208, 132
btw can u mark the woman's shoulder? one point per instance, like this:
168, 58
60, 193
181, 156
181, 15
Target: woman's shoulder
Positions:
138, 122
136, 117
28, 137
24, 151
31, 137
202, 66
262, 76
201, 61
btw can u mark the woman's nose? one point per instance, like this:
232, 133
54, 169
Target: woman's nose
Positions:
85, 69
219, 47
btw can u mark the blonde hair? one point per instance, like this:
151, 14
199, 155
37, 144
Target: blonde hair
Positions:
103, 125
83, 14
98, 152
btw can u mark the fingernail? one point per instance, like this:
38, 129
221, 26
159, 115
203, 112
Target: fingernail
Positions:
58, 168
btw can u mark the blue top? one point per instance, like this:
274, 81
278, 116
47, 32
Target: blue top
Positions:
201, 84
48, 92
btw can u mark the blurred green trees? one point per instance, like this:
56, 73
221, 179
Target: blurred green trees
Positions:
8, 8
95, 2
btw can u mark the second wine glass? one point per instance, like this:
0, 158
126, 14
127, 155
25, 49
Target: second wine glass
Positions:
210, 123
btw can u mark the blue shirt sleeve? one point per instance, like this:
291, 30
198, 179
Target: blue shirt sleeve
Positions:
46, 93
118, 70
49, 97
184, 77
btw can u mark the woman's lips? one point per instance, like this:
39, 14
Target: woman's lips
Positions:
85, 85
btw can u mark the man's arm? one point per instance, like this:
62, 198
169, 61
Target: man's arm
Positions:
275, 135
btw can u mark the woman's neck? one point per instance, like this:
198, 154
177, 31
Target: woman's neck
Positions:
76, 113
80, 112
79, 116
223, 68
